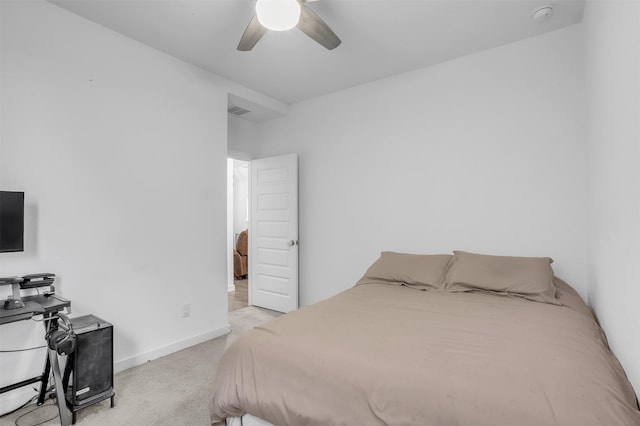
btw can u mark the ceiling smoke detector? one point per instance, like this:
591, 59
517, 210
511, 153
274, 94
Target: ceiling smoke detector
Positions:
542, 13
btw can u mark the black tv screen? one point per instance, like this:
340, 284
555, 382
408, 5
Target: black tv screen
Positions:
11, 221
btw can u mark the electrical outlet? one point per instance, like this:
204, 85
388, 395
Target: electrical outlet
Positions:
186, 310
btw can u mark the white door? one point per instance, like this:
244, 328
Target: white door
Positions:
273, 233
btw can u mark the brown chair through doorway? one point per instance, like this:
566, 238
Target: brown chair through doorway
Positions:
240, 255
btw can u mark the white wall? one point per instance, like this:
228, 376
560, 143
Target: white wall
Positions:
484, 153
613, 85
240, 195
243, 135
121, 151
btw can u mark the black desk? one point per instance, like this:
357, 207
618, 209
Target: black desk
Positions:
47, 306
34, 305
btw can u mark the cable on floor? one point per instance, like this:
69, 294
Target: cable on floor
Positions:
22, 350
33, 398
35, 409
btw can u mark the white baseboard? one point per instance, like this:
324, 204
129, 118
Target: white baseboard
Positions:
169, 349
17, 397
231, 287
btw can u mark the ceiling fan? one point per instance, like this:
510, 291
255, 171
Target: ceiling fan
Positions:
282, 15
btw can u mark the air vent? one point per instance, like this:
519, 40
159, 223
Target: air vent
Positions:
236, 110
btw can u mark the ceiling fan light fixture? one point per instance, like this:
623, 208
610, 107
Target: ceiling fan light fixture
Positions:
278, 15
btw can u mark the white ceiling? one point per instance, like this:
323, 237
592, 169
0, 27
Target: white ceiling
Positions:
379, 38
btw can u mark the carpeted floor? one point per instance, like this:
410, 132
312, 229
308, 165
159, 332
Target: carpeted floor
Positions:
239, 298
172, 390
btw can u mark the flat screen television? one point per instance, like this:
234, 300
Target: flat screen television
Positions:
11, 221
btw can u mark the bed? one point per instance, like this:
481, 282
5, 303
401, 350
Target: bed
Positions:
463, 339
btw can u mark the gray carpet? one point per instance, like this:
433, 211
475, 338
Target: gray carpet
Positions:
172, 390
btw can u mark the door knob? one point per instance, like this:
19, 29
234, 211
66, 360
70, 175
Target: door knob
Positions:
292, 243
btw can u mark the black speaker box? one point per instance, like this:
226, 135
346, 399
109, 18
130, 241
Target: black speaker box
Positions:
90, 366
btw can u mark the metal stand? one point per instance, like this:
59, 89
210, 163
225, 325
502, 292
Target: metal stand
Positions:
48, 305
57, 381
50, 365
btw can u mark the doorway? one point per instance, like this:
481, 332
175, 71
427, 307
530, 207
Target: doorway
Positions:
237, 230
262, 212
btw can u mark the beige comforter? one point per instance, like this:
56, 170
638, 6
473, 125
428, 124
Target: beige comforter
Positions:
383, 354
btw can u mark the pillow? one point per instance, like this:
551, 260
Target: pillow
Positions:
527, 277
411, 269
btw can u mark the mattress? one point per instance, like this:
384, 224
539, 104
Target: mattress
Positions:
387, 354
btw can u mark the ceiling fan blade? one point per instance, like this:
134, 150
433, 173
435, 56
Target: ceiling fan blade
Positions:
313, 26
252, 35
